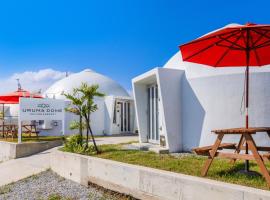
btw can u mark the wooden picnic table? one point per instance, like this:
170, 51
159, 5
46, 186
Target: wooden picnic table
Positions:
9, 130
29, 129
12, 130
246, 143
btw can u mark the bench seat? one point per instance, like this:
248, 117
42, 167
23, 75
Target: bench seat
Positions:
205, 150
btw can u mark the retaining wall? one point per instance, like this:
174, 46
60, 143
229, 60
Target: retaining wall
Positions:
10, 150
147, 183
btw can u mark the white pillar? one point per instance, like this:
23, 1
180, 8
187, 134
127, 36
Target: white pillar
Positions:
63, 127
19, 130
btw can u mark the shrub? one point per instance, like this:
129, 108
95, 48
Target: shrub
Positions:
75, 144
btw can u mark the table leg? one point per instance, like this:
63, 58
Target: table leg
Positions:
212, 154
238, 148
258, 158
268, 133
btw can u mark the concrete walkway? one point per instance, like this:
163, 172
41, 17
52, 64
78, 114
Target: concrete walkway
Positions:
17, 169
116, 140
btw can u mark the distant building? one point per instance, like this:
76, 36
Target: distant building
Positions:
115, 114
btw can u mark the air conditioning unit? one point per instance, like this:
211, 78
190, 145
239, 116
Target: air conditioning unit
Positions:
162, 140
47, 125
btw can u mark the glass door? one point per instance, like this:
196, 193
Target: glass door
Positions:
153, 115
124, 116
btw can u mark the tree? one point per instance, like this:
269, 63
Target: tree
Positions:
76, 125
88, 94
76, 108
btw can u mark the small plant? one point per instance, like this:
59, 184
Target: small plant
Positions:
75, 144
5, 189
54, 197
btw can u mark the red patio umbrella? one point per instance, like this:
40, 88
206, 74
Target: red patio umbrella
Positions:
14, 97
233, 46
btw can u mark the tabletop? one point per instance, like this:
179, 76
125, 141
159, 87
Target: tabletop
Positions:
251, 130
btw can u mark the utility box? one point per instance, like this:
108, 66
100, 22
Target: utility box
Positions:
162, 140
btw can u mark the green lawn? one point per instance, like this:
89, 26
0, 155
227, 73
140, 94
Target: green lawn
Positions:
26, 138
32, 139
221, 169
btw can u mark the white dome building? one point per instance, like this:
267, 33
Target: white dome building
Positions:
178, 105
115, 114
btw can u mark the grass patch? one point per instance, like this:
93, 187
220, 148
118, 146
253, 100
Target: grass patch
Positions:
221, 169
5, 189
27, 138
33, 139
55, 197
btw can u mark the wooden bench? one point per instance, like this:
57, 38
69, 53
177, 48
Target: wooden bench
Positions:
29, 129
205, 150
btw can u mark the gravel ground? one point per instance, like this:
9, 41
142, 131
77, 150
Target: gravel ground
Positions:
48, 185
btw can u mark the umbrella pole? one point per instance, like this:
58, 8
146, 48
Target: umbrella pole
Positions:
3, 115
247, 103
247, 125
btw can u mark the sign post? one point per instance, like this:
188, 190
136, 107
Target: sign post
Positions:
40, 109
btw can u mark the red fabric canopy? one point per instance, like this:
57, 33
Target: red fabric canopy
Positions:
14, 97
228, 47
232, 46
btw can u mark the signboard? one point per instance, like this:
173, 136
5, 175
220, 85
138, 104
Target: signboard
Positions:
41, 109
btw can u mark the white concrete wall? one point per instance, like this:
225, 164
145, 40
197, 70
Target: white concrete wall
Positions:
147, 183
170, 97
108, 115
214, 102
10, 150
7, 151
139, 85
101, 120
170, 105
210, 98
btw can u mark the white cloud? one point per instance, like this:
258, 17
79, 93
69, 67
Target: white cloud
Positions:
32, 80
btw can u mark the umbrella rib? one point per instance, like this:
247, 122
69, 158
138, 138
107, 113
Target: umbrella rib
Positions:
232, 48
265, 44
204, 49
255, 51
257, 57
203, 38
226, 52
264, 35
240, 47
261, 36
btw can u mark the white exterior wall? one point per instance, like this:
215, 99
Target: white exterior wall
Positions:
214, 103
101, 120
170, 97
170, 105
109, 106
113, 128
140, 85
209, 98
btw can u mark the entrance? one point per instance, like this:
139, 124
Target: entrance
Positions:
124, 116
153, 115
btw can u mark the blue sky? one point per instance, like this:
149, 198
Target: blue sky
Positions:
119, 38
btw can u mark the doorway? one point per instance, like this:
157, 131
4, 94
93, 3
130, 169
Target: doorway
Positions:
123, 119
153, 114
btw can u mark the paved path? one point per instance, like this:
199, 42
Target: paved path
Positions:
16, 169
116, 140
